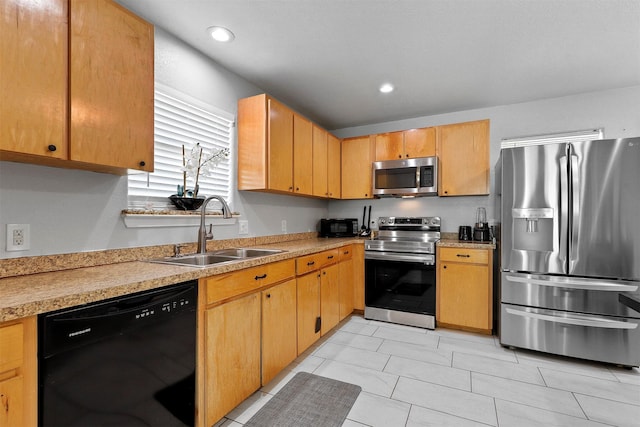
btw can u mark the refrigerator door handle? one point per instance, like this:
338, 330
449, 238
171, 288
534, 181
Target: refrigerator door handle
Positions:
577, 320
575, 211
589, 285
564, 215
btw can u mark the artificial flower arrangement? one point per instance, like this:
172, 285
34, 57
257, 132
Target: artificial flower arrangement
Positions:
195, 163
199, 162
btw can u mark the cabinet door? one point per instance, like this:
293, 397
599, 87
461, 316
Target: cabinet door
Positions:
464, 295
232, 355
319, 162
11, 402
329, 298
280, 148
279, 333
420, 142
357, 156
308, 287
346, 288
463, 151
303, 156
33, 77
111, 78
333, 166
389, 146
358, 276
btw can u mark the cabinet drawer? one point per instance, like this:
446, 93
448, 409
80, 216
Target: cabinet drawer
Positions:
225, 286
471, 256
11, 346
316, 261
344, 253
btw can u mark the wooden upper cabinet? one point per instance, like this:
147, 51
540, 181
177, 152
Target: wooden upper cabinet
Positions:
280, 151
111, 86
302, 155
357, 155
320, 162
333, 167
389, 146
33, 77
280, 147
463, 154
406, 144
420, 142
265, 145
76, 85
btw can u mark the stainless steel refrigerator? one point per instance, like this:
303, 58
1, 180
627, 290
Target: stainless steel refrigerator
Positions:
570, 248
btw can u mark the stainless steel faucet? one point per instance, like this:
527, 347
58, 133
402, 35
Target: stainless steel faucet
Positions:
203, 236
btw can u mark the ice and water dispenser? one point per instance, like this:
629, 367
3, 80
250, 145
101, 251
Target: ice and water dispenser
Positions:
533, 229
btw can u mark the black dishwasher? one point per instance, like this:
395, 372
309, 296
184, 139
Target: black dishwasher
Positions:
127, 361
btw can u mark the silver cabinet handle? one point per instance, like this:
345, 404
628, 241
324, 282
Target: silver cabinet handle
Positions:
595, 322
572, 283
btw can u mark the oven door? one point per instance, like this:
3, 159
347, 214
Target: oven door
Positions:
403, 282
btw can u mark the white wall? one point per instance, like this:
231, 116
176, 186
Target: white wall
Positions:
74, 211
615, 110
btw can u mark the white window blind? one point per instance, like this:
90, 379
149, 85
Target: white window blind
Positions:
180, 120
566, 137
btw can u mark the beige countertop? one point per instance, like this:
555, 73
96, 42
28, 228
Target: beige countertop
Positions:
32, 294
455, 243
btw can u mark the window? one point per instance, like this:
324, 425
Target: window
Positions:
180, 120
567, 137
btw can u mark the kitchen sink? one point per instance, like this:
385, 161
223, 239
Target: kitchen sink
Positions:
196, 260
246, 252
216, 257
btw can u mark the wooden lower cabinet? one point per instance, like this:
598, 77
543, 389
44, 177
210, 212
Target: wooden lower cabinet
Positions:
464, 289
18, 373
329, 298
279, 332
308, 291
232, 355
346, 281
358, 277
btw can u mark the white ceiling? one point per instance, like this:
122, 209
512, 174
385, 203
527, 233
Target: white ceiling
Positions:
327, 58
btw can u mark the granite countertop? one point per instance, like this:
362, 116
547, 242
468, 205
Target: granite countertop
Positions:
468, 244
32, 294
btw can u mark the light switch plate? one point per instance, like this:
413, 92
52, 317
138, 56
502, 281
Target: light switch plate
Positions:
243, 226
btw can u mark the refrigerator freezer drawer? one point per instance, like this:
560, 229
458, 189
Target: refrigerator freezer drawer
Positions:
601, 338
584, 295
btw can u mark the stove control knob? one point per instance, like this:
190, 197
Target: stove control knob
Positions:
382, 221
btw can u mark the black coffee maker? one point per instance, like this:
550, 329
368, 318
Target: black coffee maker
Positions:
481, 231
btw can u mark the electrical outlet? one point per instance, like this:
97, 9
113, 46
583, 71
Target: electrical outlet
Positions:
243, 226
284, 225
18, 237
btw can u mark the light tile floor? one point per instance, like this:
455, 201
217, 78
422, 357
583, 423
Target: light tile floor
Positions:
415, 377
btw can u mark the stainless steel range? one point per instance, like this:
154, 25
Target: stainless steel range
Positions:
400, 271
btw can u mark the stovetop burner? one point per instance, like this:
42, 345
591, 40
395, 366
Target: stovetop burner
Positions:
406, 234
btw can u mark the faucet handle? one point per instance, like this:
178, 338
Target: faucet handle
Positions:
209, 234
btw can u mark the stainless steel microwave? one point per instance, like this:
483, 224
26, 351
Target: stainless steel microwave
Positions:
407, 177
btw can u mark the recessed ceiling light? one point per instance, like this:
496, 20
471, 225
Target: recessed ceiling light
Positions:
221, 34
386, 88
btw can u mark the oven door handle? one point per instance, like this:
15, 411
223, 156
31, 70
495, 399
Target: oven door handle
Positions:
594, 322
590, 285
387, 256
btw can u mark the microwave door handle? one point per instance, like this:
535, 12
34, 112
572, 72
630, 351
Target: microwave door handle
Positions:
594, 322
577, 284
